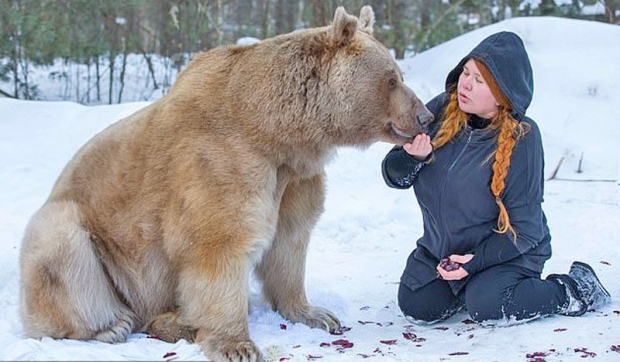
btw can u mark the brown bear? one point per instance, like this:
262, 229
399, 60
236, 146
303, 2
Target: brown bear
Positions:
157, 222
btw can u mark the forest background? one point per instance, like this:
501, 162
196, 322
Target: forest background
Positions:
79, 50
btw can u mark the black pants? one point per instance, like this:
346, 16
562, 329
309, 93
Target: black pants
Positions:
502, 292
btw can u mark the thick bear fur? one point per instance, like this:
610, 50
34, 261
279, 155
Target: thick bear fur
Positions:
157, 222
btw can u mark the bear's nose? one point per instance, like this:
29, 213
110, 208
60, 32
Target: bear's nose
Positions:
425, 118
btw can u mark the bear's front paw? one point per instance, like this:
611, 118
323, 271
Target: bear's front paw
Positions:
316, 317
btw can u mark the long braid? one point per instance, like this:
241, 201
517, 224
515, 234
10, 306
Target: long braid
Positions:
455, 120
509, 131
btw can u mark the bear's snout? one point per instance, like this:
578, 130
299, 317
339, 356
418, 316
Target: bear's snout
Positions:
424, 119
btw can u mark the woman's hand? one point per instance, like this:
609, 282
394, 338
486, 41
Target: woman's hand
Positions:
420, 147
456, 274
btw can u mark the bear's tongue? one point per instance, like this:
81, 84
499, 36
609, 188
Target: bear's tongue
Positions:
401, 133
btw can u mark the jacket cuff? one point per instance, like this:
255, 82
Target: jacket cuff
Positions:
497, 249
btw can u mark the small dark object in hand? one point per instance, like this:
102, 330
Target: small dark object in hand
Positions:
449, 265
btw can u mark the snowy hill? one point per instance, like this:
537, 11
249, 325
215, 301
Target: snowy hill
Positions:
362, 241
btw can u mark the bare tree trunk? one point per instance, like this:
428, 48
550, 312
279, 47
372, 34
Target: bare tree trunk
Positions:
149, 64
98, 78
111, 78
425, 15
501, 12
77, 82
15, 78
397, 12
265, 21
320, 13
612, 8
122, 77
27, 89
87, 80
285, 14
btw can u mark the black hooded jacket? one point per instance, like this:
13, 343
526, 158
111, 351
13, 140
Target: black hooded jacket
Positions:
459, 212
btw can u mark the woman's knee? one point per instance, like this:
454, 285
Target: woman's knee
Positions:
410, 307
484, 307
427, 305
505, 292
485, 301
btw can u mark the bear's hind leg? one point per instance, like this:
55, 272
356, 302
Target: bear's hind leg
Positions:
65, 292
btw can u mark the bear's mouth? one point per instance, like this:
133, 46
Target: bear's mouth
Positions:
400, 134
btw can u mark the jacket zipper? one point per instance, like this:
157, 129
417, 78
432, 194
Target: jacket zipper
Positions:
471, 132
456, 159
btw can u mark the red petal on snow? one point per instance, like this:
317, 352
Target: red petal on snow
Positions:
458, 353
536, 354
325, 344
585, 352
615, 348
340, 331
343, 343
409, 335
170, 354
312, 358
559, 329
389, 341
282, 326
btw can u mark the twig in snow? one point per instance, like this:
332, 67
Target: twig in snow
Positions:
557, 168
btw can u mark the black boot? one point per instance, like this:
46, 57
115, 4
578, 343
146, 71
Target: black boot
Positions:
592, 291
575, 305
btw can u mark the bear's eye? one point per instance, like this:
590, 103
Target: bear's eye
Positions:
392, 83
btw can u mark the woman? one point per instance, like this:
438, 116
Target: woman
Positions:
479, 184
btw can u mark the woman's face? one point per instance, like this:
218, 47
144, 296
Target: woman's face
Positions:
474, 94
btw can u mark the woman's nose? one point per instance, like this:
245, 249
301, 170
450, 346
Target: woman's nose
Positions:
466, 83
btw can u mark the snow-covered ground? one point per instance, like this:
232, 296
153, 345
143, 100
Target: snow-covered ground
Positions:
361, 243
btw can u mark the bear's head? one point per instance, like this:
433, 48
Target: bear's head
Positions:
371, 101
320, 87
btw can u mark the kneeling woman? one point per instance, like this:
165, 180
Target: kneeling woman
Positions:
479, 183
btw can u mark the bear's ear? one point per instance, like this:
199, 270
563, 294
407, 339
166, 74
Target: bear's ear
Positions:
343, 28
367, 19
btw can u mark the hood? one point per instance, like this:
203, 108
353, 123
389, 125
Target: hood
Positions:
505, 56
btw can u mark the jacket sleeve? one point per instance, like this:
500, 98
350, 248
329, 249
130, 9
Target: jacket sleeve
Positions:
496, 249
523, 199
399, 168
